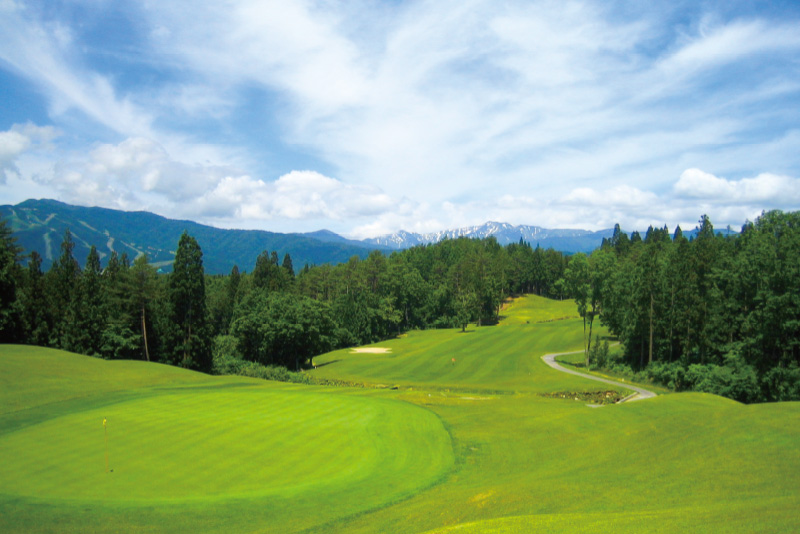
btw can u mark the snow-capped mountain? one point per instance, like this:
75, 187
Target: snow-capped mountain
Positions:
564, 240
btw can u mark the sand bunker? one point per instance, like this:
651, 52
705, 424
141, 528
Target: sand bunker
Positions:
371, 350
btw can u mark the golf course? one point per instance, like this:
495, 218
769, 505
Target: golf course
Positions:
436, 431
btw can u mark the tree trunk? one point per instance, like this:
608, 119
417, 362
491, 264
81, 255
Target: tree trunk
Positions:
144, 335
585, 347
650, 353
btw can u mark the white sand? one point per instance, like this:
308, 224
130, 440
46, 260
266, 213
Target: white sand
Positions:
371, 350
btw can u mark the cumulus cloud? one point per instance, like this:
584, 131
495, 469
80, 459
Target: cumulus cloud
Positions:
130, 175
616, 197
296, 195
695, 193
19, 139
139, 173
764, 189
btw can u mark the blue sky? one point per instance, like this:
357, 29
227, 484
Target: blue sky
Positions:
366, 117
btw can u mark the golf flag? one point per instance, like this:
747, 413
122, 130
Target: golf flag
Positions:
105, 434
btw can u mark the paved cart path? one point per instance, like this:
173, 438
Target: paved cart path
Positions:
641, 393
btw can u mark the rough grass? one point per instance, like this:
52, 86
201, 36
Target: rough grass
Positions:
510, 460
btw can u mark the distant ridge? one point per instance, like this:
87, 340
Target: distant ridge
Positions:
564, 240
40, 225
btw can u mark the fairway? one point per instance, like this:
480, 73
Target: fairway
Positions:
431, 445
498, 359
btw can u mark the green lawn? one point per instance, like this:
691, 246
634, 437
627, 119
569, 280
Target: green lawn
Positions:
532, 309
459, 448
185, 450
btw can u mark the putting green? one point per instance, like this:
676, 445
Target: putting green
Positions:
230, 442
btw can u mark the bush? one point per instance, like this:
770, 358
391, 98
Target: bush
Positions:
598, 354
227, 361
735, 379
781, 383
670, 374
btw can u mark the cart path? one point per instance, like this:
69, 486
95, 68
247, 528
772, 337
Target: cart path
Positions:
641, 393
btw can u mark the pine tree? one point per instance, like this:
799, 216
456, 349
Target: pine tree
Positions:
119, 338
189, 342
63, 281
93, 305
287, 265
36, 317
9, 276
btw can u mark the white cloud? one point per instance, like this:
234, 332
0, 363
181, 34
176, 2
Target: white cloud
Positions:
21, 138
623, 196
296, 195
45, 52
764, 189
139, 173
12, 144
427, 113
723, 44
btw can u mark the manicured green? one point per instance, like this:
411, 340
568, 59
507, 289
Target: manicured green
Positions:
182, 456
465, 447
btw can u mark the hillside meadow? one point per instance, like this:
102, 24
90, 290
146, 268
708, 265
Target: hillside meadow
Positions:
448, 432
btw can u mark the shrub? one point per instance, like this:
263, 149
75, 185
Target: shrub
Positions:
670, 374
598, 354
228, 362
781, 383
736, 379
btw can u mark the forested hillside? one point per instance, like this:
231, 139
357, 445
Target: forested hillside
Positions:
717, 313
39, 225
276, 315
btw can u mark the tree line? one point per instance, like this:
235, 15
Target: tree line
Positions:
273, 315
715, 313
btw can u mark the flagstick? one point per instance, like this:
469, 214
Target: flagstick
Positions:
105, 431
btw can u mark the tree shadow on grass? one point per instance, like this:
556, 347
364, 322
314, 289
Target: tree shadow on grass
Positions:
320, 364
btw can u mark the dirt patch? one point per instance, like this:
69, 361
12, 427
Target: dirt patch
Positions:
594, 397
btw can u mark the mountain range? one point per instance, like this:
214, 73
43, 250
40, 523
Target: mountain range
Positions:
40, 225
564, 240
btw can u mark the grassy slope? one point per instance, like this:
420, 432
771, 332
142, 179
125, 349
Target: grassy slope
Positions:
504, 358
192, 452
522, 463
688, 461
